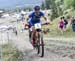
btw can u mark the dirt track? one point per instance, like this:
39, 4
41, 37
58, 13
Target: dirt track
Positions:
54, 52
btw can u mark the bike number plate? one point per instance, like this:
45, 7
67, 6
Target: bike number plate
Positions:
37, 26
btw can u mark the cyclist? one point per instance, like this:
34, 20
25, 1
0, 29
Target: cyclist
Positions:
35, 18
21, 17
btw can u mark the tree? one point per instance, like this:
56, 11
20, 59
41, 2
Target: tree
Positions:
47, 4
54, 10
43, 6
50, 4
68, 3
73, 4
59, 5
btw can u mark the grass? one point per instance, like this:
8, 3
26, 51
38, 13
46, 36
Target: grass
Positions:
54, 31
10, 53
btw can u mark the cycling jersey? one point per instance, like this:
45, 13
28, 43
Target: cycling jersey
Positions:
35, 18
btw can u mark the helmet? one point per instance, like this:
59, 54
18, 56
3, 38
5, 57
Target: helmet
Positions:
37, 8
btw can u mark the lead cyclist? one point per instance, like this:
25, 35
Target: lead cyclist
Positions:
35, 21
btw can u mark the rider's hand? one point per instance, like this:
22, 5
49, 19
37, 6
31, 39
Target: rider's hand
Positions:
27, 24
48, 22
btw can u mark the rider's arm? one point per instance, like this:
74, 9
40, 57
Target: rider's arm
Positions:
27, 19
46, 19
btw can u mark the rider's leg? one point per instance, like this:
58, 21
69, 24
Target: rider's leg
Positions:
37, 37
33, 34
30, 32
33, 31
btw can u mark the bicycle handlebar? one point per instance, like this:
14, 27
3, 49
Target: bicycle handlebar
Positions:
27, 26
45, 24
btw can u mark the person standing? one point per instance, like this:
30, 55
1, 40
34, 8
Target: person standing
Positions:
61, 25
73, 23
65, 22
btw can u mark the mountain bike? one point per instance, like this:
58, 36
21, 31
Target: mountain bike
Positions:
38, 43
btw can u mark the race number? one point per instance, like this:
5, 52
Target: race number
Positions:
37, 26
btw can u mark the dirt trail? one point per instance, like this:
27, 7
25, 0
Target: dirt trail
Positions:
53, 53
20, 43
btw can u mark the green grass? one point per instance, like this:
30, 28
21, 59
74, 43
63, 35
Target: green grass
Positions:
10, 53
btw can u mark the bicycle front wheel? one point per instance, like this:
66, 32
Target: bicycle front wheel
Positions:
41, 45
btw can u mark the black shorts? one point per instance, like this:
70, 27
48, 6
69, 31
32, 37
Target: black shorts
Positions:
61, 27
38, 30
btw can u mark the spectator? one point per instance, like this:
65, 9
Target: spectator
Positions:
65, 23
73, 23
61, 24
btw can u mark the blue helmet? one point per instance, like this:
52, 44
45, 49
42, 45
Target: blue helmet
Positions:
37, 8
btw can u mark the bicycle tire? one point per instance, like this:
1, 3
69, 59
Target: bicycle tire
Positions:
38, 47
41, 45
